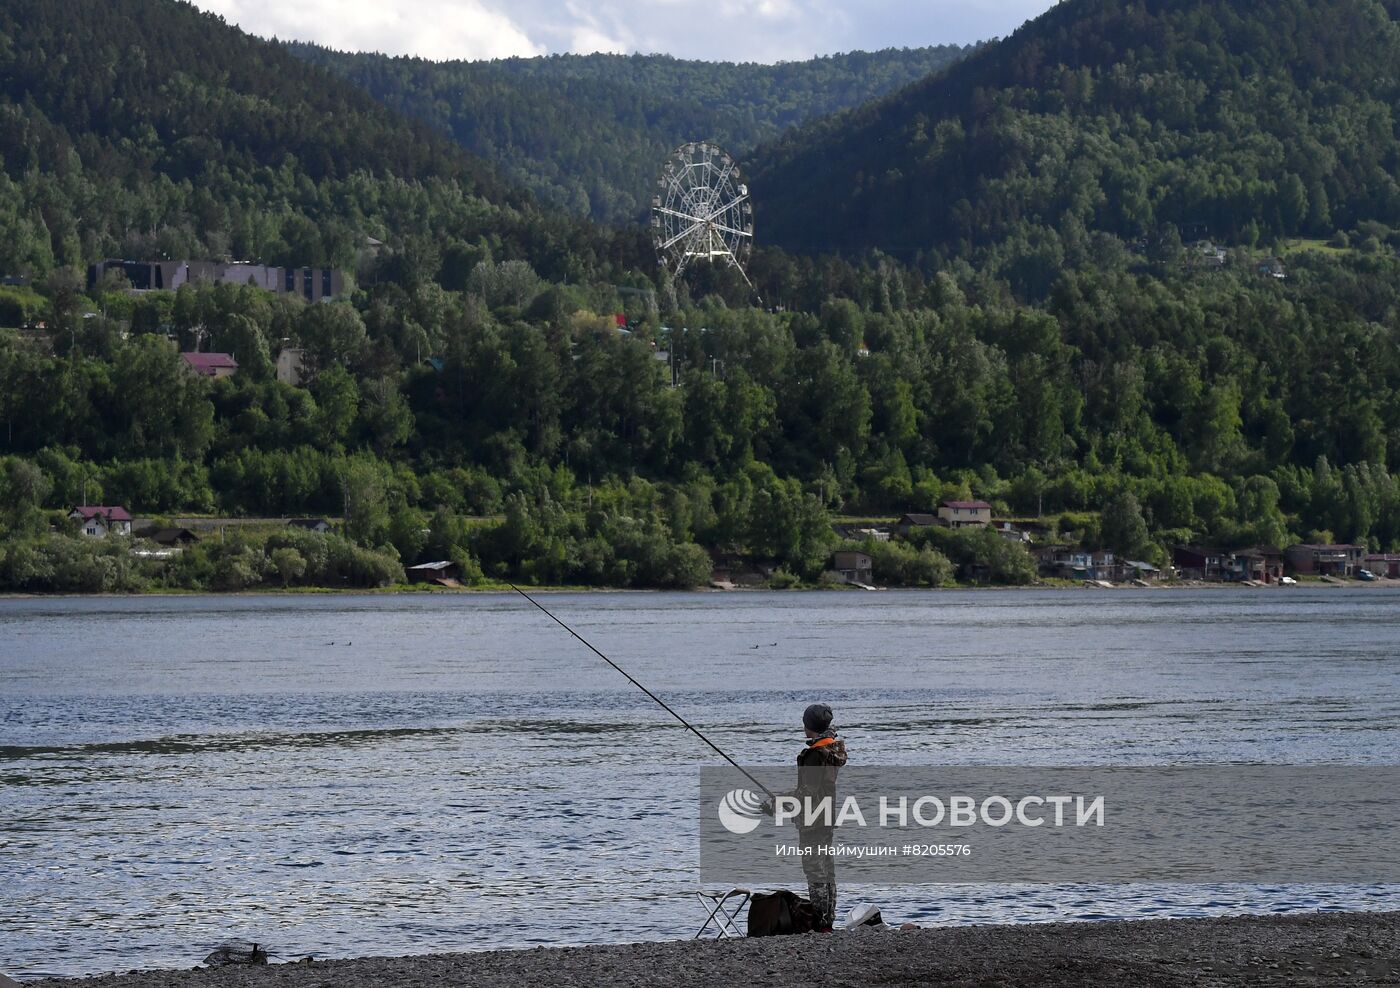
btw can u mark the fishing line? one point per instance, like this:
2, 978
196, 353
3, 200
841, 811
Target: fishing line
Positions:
664, 705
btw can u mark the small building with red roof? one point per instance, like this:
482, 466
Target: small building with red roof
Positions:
1384, 564
211, 364
97, 521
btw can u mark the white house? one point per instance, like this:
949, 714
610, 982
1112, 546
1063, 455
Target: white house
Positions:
291, 365
99, 521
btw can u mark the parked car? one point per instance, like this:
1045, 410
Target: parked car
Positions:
1365, 574
1287, 581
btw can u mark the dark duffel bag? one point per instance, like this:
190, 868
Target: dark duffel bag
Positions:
779, 914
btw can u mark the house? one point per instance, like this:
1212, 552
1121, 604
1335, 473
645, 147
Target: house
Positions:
1073, 563
1194, 562
1045, 555
879, 534
965, 514
1324, 560
862, 532
907, 523
168, 537
318, 525
854, 567
730, 569
444, 573
99, 521
1385, 565
1261, 564
214, 365
291, 363
1013, 534
1273, 268
1211, 253
1136, 571
313, 284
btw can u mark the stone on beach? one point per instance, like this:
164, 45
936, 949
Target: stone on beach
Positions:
237, 952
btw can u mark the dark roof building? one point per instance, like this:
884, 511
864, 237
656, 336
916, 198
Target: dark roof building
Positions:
169, 536
1325, 560
854, 567
310, 524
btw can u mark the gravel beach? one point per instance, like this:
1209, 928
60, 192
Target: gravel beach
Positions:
1318, 949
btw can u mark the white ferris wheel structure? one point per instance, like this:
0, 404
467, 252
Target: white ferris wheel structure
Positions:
701, 210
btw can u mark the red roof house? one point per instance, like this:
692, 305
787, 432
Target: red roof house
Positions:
211, 364
98, 521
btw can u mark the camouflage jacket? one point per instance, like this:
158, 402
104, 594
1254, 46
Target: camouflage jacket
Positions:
817, 766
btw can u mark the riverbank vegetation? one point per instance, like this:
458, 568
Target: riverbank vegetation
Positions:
522, 393
513, 428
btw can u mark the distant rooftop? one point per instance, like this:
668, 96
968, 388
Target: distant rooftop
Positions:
110, 512
208, 363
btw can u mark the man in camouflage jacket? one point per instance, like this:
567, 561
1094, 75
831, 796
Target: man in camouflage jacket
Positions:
817, 766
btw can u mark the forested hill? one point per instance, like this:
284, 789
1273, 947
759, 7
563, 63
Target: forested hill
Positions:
589, 132
1248, 120
147, 128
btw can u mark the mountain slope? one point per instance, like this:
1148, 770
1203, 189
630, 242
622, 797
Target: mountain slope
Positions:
589, 132
148, 128
1241, 119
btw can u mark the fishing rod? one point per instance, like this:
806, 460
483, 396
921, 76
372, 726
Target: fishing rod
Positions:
664, 705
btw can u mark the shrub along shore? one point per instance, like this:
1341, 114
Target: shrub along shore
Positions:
607, 550
284, 559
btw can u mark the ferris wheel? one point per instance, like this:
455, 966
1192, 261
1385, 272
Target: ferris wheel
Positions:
701, 210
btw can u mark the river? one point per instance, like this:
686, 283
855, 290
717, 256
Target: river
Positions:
349, 775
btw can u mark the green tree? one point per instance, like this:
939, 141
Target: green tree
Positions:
337, 405
289, 564
364, 490
1123, 528
24, 492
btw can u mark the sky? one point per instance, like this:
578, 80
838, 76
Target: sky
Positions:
715, 30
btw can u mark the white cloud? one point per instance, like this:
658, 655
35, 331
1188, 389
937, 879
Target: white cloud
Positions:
587, 34
437, 29
719, 30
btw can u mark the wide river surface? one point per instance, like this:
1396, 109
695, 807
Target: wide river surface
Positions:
351, 775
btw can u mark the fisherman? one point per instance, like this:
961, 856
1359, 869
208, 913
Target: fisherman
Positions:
817, 765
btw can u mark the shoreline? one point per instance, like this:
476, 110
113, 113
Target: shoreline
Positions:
410, 590
1309, 949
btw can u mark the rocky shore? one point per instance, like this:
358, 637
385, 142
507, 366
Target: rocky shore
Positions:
1318, 949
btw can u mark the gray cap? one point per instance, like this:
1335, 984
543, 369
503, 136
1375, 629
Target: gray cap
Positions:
817, 717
